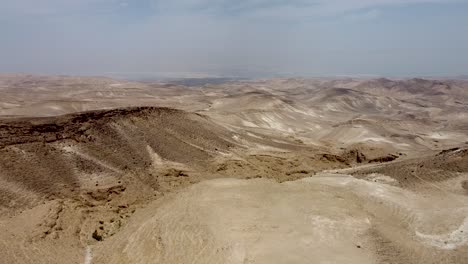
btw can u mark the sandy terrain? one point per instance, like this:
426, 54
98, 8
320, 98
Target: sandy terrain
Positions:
330, 218
95, 170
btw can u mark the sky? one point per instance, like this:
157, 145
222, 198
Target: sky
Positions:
235, 38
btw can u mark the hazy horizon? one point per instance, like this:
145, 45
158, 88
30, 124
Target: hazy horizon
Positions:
248, 38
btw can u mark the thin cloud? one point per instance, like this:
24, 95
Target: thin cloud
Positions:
289, 8
281, 8
51, 7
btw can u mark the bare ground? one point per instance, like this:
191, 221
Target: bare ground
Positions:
270, 171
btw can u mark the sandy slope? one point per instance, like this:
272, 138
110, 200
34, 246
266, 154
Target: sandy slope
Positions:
324, 219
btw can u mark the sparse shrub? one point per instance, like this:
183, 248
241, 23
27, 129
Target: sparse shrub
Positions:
465, 185
97, 236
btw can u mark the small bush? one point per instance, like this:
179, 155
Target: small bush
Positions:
97, 236
465, 184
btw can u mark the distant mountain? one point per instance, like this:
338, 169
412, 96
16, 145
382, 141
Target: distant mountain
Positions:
203, 81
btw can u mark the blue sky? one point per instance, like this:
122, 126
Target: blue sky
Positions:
243, 37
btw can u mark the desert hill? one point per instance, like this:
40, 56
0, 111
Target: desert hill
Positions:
97, 170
